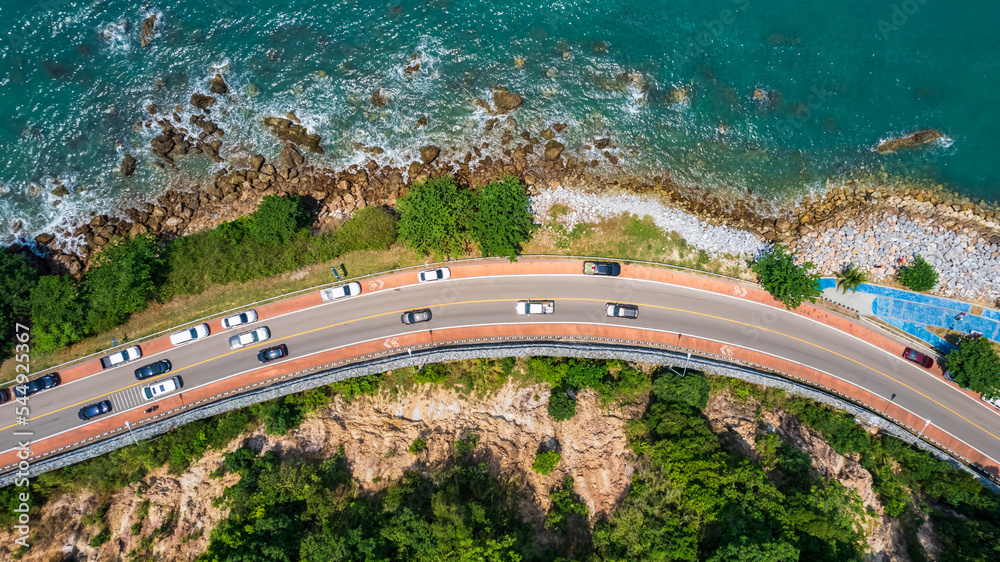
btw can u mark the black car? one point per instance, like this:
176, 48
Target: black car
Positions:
416, 316
602, 268
102, 407
35, 386
153, 369
4, 395
272, 353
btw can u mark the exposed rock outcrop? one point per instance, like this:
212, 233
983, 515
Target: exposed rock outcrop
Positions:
378, 100
148, 30
294, 133
918, 138
128, 166
503, 102
429, 153
201, 101
217, 85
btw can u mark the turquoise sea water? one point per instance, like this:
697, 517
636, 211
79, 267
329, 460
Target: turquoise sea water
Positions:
840, 76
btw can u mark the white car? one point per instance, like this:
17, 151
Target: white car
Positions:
160, 388
189, 335
439, 274
535, 307
241, 319
994, 402
340, 291
251, 337
120, 357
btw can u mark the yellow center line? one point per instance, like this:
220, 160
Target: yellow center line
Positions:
702, 314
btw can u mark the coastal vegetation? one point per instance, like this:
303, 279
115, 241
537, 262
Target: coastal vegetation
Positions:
918, 276
851, 277
975, 364
787, 281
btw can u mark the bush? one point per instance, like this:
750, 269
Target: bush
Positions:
58, 314
100, 538
921, 276
975, 365
371, 228
277, 219
561, 405
417, 446
502, 220
434, 373
787, 282
279, 415
17, 277
434, 217
545, 462
123, 278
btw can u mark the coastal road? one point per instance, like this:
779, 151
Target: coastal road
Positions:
730, 323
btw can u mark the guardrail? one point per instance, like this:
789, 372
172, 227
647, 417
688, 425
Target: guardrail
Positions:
300, 292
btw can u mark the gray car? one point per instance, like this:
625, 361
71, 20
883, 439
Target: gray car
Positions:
416, 316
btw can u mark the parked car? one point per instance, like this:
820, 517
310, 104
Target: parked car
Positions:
918, 358
246, 338
241, 319
121, 357
340, 292
602, 268
618, 310
4, 395
102, 407
995, 402
189, 335
153, 369
272, 353
416, 316
437, 274
535, 307
160, 388
35, 386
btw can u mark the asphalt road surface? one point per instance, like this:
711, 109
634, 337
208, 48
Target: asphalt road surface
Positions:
579, 299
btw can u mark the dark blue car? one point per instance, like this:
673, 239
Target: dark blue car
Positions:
102, 407
35, 386
153, 369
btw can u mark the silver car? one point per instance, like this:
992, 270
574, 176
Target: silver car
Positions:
244, 339
241, 319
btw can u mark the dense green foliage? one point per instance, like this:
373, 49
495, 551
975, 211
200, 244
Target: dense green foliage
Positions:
502, 220
122, 279
371, 228
851, 277
613, 381
17, 277
545, 462
786, 281
58, 313
919, 276
561, 406
419, 445
277, 219
975, 365
439, 217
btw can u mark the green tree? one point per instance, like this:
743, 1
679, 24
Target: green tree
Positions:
502, 220
920, 276
434, 216
417, 446
277, 219
371, 228
566, 508
58, 313
545, 462
123, 278
789, 283
17, 277
562, 406
762, 552
851, 277
975, 365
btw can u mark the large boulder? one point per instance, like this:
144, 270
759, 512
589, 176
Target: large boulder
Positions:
201, 101
429, 153
378, 100
217, 85
148, 28
128, 166
921, 137
553, 150
256, 161
503, 102
294, 133
290, 158
44, 238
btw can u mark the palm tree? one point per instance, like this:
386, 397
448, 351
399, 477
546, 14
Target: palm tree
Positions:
850, 278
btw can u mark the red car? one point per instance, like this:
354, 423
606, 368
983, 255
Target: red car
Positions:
917, 357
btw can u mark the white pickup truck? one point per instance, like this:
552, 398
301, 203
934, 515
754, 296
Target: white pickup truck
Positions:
535, 307
120, 357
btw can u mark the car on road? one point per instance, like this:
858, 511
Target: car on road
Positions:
121, 357
241, 319
4, 395
340, 292
189, 335
102, 407
35, 386
246, 338
153, 369
995, 402
272, 353
618, 310
602, 268
159, 388
436, 274
535, 307
918, 358
416, 316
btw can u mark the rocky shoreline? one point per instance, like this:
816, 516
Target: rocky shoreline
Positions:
871, 221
